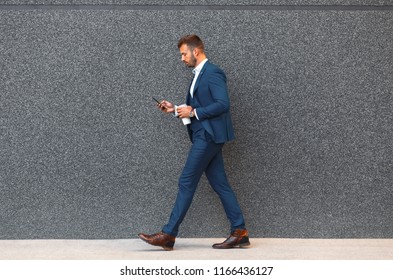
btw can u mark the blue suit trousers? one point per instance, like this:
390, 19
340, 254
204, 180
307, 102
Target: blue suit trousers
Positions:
204, 156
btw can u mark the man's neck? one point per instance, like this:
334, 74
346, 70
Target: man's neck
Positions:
199, 60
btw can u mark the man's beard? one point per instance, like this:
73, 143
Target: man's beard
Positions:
192, 62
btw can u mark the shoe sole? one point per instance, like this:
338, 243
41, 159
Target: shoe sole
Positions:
167, 248
241, 246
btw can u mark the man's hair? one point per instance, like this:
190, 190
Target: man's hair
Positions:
192, 41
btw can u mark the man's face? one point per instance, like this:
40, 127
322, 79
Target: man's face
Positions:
187, 56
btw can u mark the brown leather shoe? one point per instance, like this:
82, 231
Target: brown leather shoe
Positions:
237, 239
162, 239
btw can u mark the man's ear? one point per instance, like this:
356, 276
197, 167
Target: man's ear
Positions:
196, 52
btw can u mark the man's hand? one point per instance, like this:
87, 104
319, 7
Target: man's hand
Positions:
166, 107
184, 112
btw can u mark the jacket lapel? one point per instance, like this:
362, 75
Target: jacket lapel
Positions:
199, 77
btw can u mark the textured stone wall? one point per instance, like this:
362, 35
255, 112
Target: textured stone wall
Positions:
85, 154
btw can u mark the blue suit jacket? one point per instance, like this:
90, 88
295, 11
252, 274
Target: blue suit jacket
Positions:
211, 97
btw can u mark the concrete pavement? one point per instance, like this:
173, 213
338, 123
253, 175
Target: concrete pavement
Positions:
198, 249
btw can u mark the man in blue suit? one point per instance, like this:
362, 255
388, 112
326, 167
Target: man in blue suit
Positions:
211, 126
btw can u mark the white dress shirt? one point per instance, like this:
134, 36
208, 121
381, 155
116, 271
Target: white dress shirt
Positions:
196, 71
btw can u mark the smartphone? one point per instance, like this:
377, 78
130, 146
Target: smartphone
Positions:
158, 102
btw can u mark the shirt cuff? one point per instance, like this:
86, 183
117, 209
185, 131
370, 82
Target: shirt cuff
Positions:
196, 115
175, 112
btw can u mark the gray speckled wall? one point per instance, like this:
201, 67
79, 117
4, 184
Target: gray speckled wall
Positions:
85, 154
